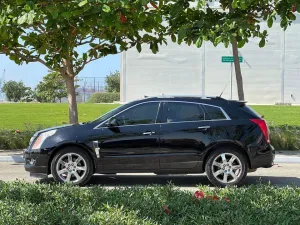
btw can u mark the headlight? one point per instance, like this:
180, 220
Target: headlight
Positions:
41, 138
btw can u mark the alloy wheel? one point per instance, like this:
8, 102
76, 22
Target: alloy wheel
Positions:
227, 168
71, 167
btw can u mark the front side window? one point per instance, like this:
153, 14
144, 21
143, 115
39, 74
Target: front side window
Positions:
180, 111
213, 113
141, 114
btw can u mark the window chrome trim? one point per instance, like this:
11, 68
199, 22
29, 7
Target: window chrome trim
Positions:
160, 102
96, 127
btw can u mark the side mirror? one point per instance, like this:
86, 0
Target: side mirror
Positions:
112, 122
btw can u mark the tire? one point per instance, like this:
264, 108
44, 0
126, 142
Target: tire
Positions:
71, 172
219, 171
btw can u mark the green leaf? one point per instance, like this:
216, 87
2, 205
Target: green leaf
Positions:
181, 34
84, 56
270, 22
106, 8
21, 2
199, 42
82, 3
139, 47
262, 43
67, 14
22, 19
30, 17
235, 4
291, 16
143, 17
173, 38
241, 43
298, 7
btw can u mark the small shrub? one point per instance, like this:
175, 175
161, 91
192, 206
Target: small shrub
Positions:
285, 137
105, 97
24, 203
14, 139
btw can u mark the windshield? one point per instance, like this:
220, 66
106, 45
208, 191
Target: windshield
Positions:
111, 113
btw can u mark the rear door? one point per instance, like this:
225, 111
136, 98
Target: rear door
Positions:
184, 135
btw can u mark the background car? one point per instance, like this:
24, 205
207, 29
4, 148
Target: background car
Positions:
163, 135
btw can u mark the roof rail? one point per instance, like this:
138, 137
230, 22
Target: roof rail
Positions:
184, 96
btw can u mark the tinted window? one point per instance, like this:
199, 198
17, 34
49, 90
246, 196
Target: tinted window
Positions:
178, 112
141, 114
213, 113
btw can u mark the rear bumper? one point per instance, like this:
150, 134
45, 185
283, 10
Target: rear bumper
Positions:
263, 157
36, 163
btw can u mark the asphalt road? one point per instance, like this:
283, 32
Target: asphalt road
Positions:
280, 174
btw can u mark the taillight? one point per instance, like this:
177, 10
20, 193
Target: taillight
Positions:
263, 126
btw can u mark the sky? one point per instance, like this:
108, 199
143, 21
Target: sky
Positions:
31, 74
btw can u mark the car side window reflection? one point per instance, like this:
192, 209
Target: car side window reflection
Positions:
140, 114
179, 112
214, 113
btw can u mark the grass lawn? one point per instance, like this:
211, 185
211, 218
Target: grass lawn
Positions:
16, 116
21, 115
280, 115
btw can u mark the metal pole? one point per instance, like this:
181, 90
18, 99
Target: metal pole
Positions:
94, 84
282, 66
231, 80
203, 70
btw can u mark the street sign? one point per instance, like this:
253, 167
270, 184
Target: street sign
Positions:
230, 59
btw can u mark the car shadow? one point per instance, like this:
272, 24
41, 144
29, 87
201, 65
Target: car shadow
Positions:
185, 181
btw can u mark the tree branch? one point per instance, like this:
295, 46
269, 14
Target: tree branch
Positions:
28, 58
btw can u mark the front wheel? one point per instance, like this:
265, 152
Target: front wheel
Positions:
226, 167
72, 165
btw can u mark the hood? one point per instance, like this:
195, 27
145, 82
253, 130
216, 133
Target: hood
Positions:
54, 128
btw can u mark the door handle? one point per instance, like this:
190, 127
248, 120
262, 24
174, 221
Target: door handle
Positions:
148, 133
204, 128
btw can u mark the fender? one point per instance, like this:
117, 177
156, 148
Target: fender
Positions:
225, 143
61, 145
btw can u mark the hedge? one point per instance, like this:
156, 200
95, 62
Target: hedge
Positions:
23, 203
282, 138
104, 97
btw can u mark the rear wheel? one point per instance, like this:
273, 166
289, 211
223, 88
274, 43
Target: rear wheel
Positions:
72, 165
226, 167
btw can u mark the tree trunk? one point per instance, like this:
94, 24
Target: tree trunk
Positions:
238, 73
237, 65
73, 113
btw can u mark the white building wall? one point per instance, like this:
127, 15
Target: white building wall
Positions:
177, 69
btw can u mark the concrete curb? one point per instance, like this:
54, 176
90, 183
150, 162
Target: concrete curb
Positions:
12, 158
278, 159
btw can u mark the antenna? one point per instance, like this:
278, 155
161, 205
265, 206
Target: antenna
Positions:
223, 90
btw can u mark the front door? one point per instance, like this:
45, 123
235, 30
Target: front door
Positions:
184, 135
133, 144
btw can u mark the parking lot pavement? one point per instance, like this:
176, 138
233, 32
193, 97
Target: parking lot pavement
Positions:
281, 175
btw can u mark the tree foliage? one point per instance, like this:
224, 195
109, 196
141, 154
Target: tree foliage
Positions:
14, 90
194, 21
65, 35
113, 82
52, 87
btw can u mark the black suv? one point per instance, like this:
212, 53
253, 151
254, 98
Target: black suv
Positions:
163, 135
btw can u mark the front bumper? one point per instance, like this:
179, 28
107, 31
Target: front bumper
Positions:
36, 163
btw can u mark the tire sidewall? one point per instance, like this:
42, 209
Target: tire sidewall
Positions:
79, 151
210, 160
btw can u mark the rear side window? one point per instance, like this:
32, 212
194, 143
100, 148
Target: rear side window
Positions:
180, 111
213, 113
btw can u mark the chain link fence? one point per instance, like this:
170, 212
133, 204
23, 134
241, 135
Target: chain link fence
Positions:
87, 86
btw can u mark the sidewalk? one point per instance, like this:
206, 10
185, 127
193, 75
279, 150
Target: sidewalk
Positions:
16, 156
